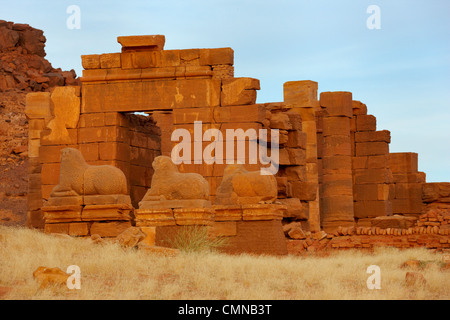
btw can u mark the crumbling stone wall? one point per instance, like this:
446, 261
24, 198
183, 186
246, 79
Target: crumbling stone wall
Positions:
335, 169
127, 141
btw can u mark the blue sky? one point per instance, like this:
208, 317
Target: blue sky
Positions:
401, 71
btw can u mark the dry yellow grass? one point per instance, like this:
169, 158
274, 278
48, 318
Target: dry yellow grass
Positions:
109, 272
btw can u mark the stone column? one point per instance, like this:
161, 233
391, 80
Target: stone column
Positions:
38, 112
302, 97
337, 179
372, 177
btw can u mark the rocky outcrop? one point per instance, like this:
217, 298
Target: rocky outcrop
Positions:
23, 68
22, 62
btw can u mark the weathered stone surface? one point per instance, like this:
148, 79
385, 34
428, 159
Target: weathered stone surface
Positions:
136, 64
38, 105
378, 191
439, 192
336, 164
79, 229
395, 221
175, 204
261, 212
64, 213
106, 199
31, 39
336, 211
336, 126
168, 184
148, 95
154, 217
131, 237
294, 208
371, 148
240, 186
373, 176
107, 212
296, 233
239, 91
66, 110
337, 145
403, 162
110, 60
289, 226
372, 208
146, 42
303, 190
223, 229
227, 212
373, 136
301, 94
8, 38
193, 216
359, 107
249, 238
280, 120
337, 103
216, 56
109, 229
240, 114
366, 123
57, 228
91, 61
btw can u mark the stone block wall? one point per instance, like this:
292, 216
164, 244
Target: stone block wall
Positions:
371, 169
126, 141
408, 182
301, 97
335, 168
436, 203
177, 88
38, 113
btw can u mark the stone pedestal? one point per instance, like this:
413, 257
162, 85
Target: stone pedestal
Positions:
107, 220
161, 225
174, 204
252, 228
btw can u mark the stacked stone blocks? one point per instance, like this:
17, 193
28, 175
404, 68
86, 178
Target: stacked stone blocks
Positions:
335, 169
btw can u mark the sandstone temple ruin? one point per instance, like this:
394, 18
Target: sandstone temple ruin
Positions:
98, 159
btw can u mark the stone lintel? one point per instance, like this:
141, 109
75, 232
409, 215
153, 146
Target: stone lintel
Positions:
142, 43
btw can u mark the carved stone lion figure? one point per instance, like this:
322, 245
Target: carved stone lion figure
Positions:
169, 184
240, 186
78, 178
